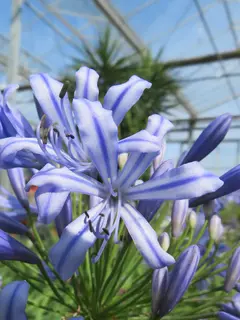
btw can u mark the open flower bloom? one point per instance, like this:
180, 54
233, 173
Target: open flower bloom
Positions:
99, 138
13, 300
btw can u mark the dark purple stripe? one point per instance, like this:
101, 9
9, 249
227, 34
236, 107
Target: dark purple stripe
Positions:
122, 95
10, 308
137, 140
52, 97
156, 132
171, 184
85, 91
145, 236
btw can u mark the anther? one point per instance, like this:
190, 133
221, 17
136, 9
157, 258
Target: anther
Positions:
102, 215
90, 226
69, 135
105, 231
86, 213
42, 121
64, 89
44, 135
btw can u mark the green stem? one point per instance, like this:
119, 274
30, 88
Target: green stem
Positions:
201, 232
193, 317
203, 292
36, 305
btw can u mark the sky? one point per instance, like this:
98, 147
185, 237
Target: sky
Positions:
173, 25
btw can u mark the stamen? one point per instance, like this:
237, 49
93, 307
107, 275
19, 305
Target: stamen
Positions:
56, 130
106, 231
42, 121
90, 226
86, 213
102, 215
44, 135
64, 89
69, 135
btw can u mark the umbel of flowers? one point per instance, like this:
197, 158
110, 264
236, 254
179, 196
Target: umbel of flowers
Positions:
90, 266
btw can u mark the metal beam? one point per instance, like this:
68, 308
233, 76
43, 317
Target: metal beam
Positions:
136, 43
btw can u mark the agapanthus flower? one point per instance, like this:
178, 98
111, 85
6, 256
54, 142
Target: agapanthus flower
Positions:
13, 300
230, 310
98, 132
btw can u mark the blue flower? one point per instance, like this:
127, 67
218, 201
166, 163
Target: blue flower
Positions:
13, 300
230, 310
99, 137
11, 249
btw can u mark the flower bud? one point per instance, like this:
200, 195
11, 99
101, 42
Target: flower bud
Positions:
215, 228
164, 241
179, 215
11, 225
122, 159
192, 219
181, 276
159, 288
233, 271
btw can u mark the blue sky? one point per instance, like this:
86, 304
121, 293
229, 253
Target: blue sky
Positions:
154, 25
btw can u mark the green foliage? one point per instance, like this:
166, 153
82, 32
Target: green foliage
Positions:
115, 68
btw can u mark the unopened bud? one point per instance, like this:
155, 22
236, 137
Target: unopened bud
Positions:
122, 159
192, 219
215, 228
233, 271
164, 241
179, 215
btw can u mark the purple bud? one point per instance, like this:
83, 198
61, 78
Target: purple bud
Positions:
215, 228
16, 177
11, 225
233, 271
64, 217
159, 288
11, 249
164, 241
180, 278
231, 181
209, 139
179, 215
13, 300
226, 316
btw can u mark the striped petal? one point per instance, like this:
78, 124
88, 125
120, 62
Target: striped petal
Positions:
9, 224
231, 181
76, 239
64, 217
184, 182
62, 179
145, 238
11, 249
137, 163
17, 179
226, 316
139, 142
86, 84
148, 208
122, 97
49, 203
99, 136
13, 300
22, 152
159, 288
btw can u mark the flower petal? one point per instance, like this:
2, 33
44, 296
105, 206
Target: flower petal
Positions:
64, 217
11, 249
179, 215
16, 177
99, 135
139, 142
226, 316
13, 300
148, 208
145, 238
120, 98
49, 203
86, 84
231, 181
62, 179
9, 224
158, 126
159, 288
69, 252
184, 182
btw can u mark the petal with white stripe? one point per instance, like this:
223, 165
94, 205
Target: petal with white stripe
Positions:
120, 98
145, 238
185, 182
86, 84
99, 136
13, 300
69, 252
